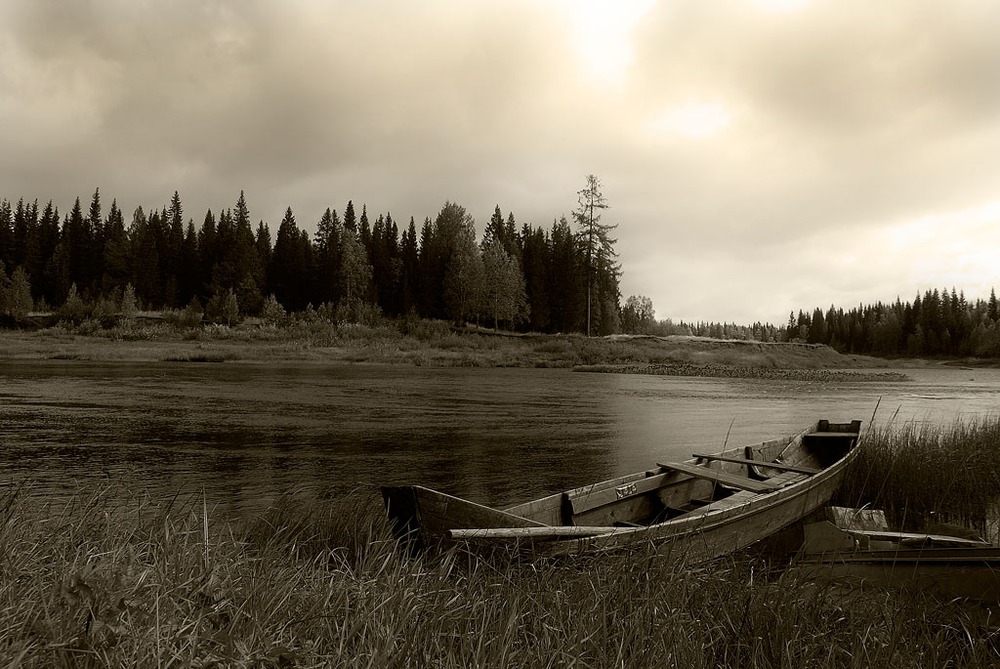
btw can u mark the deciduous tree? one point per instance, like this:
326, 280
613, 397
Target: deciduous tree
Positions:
638, 316
464, 277
504, 297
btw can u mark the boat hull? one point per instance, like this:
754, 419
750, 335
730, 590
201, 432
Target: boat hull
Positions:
714, 533
856, 547
954, 573
702, 508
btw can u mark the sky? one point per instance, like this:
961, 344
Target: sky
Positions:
758, 156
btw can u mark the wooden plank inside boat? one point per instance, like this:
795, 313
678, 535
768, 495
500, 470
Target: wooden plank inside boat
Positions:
704, 510
582, 501
760, 463
719, 476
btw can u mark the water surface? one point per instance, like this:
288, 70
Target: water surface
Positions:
243, 433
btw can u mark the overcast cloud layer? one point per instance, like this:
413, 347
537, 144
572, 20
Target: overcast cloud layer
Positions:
759, 156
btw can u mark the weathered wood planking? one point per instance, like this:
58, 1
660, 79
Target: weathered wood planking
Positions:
424, 514
547, 510
588, 499
533, 533
635, 508
722, 477
759, 463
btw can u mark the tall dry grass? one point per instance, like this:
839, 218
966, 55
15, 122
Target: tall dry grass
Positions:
922, 473
111, 578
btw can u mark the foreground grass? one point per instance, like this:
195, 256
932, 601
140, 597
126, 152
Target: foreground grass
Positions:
113, 579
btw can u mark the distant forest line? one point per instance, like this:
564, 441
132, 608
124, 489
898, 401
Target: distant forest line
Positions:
353, 268
519, 277
936, 323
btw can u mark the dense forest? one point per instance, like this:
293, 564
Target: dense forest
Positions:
356, 266
565, 278
939, 322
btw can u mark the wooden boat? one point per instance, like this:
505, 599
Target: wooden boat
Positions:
701, 508
856, 547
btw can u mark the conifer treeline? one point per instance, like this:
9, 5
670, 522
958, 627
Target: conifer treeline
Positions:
527, 277
935, 323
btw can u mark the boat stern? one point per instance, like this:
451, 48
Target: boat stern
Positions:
402, 509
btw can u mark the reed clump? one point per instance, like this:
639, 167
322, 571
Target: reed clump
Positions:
110, 578
925, 474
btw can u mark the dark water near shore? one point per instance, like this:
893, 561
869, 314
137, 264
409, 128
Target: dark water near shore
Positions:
243, 434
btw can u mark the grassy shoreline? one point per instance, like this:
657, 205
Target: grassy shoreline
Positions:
423, 343
114, 578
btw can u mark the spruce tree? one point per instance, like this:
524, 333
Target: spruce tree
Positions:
567, 287
410, 261
350, 221
117, 261
535, 254
92, 262
287, 265
6, 233
327, 251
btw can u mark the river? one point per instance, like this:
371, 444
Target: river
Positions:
242, 434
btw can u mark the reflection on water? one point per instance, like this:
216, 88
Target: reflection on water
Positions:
246, 433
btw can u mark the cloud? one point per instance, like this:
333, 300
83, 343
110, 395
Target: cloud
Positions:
733, 141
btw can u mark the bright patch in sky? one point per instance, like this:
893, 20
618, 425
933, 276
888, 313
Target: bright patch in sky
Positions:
780, 6
692, 120
602, 33
958, 248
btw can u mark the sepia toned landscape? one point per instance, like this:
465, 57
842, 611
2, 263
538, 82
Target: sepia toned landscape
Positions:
545, 333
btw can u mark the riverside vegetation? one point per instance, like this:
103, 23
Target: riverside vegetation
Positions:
112, 578
315, 336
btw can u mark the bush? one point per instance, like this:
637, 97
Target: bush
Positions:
424, 329
15, 295
272, 313
74, 310
130, 307
356, 311
223, 308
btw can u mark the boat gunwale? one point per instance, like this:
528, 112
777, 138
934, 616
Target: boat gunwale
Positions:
709, 521
708, 518
696, 522
556, 499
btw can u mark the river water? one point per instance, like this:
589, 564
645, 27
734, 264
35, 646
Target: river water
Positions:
242, 434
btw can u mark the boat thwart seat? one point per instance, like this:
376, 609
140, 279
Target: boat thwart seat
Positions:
725, 478
760, 463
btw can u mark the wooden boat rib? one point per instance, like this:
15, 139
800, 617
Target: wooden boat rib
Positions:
701, 508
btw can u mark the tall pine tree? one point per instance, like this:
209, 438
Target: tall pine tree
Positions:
599, 256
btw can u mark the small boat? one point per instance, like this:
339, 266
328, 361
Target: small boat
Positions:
702, 508
856, 547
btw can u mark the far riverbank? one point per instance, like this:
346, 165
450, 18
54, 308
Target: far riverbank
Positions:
427, 343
